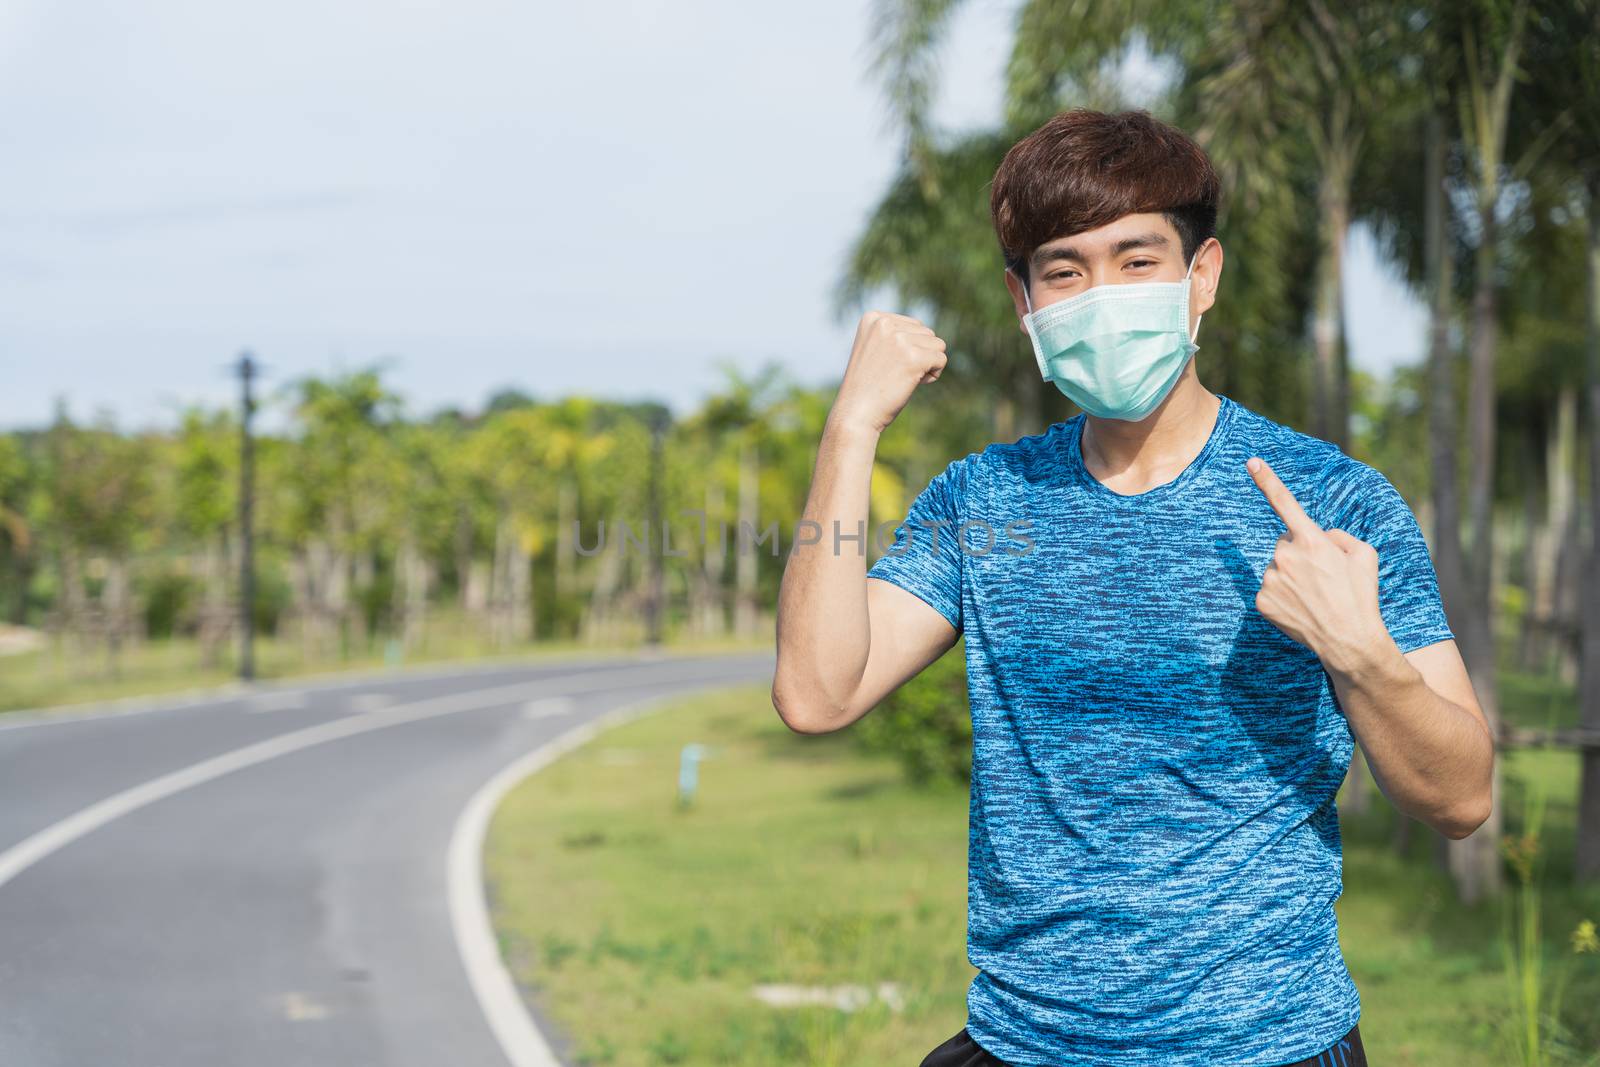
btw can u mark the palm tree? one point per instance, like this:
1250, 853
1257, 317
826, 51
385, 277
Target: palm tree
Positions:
204, 506
16, 535
741, 412
1562, 38
338, 486
939, 255
1496, 156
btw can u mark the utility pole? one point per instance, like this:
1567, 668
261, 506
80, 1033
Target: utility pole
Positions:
659, 419
247, 564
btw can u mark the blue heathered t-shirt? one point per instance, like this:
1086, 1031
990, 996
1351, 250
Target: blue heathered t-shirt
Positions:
1153, 846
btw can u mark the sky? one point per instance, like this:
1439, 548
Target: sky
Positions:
604, 199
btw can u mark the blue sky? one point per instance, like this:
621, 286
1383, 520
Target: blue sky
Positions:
608, 199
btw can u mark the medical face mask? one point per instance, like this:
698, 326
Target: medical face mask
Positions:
1116, 350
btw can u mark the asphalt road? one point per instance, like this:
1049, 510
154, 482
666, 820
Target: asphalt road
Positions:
261, 880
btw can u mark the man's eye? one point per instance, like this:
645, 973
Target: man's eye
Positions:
1142, 263
1059, 274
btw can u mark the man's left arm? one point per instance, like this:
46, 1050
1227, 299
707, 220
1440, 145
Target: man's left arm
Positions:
1370, 610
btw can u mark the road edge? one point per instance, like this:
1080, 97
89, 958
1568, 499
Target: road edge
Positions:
479, 946
179, 699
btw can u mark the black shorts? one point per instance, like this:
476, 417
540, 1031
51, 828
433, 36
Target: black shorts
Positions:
962, 1051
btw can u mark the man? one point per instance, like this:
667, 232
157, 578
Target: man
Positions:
1179, 616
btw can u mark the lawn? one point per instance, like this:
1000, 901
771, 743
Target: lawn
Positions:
641, 929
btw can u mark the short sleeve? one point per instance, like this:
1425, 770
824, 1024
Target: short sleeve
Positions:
1364, 503
925, 558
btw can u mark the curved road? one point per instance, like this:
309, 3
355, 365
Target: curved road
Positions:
260, 879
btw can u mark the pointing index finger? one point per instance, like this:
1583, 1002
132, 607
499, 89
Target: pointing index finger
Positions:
1278, 495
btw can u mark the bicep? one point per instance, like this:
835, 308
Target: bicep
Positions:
907, 634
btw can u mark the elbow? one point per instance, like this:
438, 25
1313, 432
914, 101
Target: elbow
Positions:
801, 714
1473, 812
1466, 822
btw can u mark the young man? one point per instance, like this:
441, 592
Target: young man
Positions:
1178, 614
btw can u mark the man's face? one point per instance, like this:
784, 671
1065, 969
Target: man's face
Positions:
1135, 248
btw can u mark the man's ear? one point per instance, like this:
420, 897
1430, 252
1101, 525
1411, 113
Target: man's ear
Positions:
1015, 284
1207, 274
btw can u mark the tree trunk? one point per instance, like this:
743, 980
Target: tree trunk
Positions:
746, 611
1446, 548
115, 608
300, 600
566, 582
463, 554
1359, 782
338, 594
1330, 399
321, 592
524, 614
22, 565
362, 574
1475, 861
511, 587
73, 612
410, 601
216, 610
597, 619
475, 596
1533, 579
711, 612
1588, 836
1555, 548
1565, 602
499, 583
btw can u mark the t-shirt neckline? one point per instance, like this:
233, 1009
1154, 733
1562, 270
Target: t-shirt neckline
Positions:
1196, 467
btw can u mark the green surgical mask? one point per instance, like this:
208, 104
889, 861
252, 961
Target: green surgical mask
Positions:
1115, 350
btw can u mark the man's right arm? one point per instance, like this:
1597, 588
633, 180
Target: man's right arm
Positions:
846, 641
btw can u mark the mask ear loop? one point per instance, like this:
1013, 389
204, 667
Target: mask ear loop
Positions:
1196, 332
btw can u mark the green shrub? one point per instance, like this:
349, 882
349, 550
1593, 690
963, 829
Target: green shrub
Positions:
926, 724
168, 604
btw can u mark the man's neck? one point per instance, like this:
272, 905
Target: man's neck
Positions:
1135, 457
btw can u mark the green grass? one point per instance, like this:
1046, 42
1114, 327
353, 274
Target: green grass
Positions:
641, 928
1429, 969
57, 675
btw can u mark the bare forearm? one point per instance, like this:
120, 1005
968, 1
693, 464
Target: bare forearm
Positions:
1433, 756
823, 633
824, 636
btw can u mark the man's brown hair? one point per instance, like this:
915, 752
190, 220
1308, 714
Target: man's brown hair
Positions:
1084, 169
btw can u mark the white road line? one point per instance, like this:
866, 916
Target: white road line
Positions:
298, 1007
58, 835
545, 707
492, 983
366, 703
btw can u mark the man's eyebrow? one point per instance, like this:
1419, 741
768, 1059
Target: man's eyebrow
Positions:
1072, 252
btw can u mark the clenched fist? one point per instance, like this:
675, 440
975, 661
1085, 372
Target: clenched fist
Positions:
1321, 587
892, 355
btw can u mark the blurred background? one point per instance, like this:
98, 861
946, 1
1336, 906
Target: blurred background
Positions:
501, 277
